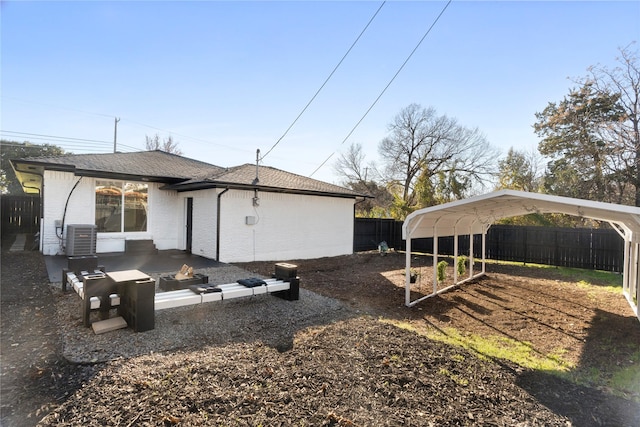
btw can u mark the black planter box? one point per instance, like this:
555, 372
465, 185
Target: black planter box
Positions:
170, 283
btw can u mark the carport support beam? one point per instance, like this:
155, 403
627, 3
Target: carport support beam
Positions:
407, 273
484, 250
455, 256
470, 252
435, 259
626, 284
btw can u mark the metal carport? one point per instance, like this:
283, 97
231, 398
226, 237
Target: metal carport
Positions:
475, 215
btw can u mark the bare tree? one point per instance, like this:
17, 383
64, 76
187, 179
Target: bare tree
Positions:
351, 166
365, 180
424, 150
166, 145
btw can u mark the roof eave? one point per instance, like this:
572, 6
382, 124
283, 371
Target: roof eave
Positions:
37, 167
203, 185
29, 176
128, 177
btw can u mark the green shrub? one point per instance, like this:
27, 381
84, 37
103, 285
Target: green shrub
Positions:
442, 271
462, 265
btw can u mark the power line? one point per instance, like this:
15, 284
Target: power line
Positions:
76, 149
183, 136
66, 138
125, 119
388, 84
120, 145
325, 82
68, 143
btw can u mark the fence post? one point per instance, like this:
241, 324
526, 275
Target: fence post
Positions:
524, 243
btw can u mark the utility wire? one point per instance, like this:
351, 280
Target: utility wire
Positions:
68, 143
387, 86
183, 136
325, 82
124, 119
78, 148
66, 138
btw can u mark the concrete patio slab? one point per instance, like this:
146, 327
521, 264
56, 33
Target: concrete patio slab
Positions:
159, 262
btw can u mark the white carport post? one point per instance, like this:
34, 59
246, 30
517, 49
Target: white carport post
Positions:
633, 284
407, 263
455, 255
407, 272
626, 280
484, 249
471, 251
435, 257
630, 268
634, 304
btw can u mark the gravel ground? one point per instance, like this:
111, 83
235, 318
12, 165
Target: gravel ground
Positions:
215, 323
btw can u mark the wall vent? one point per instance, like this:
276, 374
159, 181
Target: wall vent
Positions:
81, 239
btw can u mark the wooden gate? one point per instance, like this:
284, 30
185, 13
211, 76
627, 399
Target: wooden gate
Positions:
20, 214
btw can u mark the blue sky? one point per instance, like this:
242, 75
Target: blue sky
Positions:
227, 78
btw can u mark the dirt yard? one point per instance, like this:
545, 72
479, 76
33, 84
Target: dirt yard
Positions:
525, 304
381, 366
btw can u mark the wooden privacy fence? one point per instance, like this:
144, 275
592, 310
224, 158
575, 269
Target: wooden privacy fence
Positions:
596, 249
20, 214
369, 232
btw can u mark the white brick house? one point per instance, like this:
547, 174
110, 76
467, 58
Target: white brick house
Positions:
234, 214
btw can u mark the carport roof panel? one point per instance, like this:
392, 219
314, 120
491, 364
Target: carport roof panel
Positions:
476, 213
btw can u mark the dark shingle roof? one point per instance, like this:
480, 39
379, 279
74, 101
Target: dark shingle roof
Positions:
182, 173
270, 179
156, 164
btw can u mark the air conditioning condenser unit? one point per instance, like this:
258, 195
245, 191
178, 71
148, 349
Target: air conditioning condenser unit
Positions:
81, 239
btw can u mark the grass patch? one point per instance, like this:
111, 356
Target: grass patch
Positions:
497, 347
627, 380
623, 381
620, 381
504, 348
602, 279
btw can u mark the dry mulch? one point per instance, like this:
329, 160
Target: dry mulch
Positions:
34, 376
359, 371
